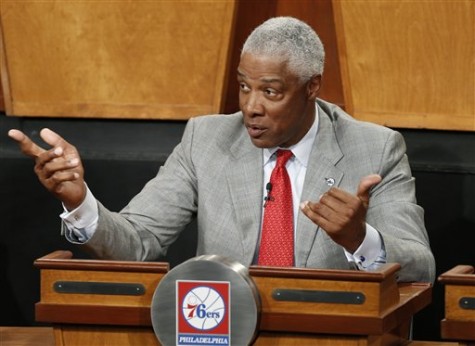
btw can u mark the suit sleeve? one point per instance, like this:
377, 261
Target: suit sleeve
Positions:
394, 212
154, 218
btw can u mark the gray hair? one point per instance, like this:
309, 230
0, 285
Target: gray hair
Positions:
293, 40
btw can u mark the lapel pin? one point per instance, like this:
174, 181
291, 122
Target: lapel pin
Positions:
330, 181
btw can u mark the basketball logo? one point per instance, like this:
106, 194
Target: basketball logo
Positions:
203, 312
203, 308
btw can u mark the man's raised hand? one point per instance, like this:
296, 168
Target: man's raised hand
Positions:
58, 168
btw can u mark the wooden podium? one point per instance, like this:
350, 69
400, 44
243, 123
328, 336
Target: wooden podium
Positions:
299, 306
98, 319
459, 321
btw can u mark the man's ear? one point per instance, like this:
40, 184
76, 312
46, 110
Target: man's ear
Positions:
313, 87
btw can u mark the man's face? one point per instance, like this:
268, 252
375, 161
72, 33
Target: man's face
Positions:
278, 108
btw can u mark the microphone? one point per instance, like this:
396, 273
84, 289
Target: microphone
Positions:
268, 197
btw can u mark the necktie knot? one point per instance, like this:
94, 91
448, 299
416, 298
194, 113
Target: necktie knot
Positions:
282, 157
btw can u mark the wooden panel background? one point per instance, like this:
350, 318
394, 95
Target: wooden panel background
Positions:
408, 64
115, 59
403, 64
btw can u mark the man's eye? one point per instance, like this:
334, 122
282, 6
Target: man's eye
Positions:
243, 87
270, 92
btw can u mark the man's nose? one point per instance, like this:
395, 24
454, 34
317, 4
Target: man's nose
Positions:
253, 105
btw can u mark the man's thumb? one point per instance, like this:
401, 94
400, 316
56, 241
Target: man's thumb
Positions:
366, 183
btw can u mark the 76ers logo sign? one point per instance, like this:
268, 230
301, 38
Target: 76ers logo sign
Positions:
203, 316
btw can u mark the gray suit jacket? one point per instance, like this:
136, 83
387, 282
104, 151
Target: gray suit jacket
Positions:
216, 175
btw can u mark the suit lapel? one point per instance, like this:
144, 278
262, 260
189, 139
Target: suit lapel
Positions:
321, 171
244, 175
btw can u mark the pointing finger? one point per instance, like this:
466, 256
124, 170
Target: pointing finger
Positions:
52, 138
27, 146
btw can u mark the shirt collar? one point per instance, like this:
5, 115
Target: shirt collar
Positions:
302, 149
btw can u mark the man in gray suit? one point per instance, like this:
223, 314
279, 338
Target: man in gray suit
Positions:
353, 194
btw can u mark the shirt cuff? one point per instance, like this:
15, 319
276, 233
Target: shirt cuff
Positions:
81, 222
371, 254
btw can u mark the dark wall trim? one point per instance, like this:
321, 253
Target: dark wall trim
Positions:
428, 150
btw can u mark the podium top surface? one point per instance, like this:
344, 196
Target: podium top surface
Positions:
459, 275
379, 275
63, 260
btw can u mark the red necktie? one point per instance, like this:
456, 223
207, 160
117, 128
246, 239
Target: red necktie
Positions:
277, 239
